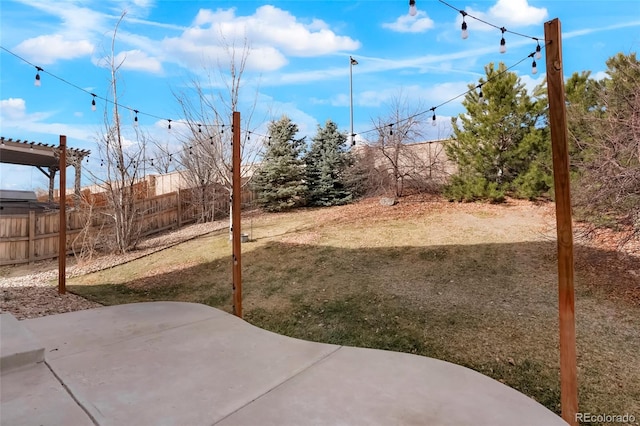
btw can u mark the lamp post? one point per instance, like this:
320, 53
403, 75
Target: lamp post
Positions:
352, 62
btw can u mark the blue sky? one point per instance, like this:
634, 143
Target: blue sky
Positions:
298, 63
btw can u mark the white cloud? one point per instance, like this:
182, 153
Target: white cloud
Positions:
600, 75
587, 31
279, 27
271, 34
417, 94
506, 13
517, 12
138, 60
193, 53
77, 22
410, 24
15, 119
530, 82
12, 109
47, 49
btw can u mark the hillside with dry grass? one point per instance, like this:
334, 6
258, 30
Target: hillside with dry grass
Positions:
474, 284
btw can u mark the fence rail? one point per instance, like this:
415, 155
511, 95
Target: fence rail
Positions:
34, 236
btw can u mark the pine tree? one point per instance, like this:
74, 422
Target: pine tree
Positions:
604, 123
326, 163
279, 183
499, 144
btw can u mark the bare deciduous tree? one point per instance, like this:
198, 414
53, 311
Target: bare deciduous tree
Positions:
122, 164
207, 108
400, 163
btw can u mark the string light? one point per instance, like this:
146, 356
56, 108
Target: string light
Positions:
465, 32
480, 94
503, 42
135, 117
391, 129
37, 82
93, 102
534, 67
199, 128
169, 126
412, 4
433, 119
413, 10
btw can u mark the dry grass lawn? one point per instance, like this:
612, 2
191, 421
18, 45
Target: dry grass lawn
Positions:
471, 284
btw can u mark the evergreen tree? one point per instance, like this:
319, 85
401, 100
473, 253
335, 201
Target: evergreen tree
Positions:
326, 163
499, 144
604, 123
279, 183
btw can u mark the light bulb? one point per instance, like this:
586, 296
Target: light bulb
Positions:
538, 52
37, 81
135, 118
169, 126
413, 10
534, 68
503, 45
465, 33
480, 97
433, 120
93, 103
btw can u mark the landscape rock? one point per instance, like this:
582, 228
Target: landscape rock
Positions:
388, 201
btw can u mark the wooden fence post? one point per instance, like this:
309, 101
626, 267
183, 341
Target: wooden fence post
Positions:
179, 203
32, 236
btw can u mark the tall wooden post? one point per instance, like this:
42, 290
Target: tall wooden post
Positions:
560, 150
236, 205
62, 232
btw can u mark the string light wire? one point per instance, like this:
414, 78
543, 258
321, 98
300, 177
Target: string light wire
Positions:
536, 55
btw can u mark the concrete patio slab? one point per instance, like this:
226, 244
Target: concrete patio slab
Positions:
171, 363
357, 386
32, 396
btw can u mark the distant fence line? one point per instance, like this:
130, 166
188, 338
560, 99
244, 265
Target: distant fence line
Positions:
33, 236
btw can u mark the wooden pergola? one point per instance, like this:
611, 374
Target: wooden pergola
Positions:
45, 158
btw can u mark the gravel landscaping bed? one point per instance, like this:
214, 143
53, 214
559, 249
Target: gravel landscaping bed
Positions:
30, 291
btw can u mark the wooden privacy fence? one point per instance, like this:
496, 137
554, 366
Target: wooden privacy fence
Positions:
33, 236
